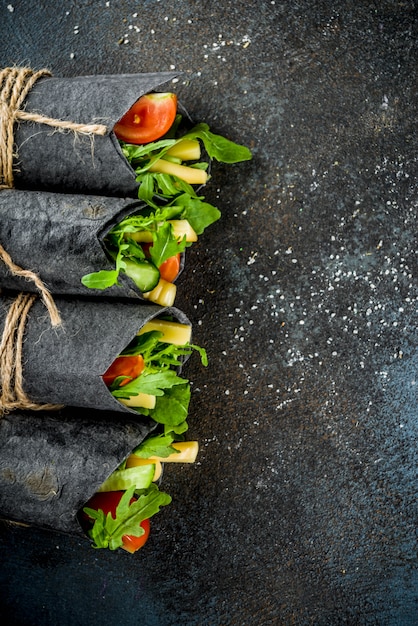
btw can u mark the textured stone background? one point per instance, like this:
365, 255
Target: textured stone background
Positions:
302, 508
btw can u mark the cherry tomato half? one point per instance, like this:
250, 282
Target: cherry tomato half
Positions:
169, 270
132, 544
107, 501
130, 366
148, 119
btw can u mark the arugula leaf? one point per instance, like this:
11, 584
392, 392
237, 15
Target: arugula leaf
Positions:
107, 531
148, 219
202, 352
135, 153
165, 244
100, 280
199, 214
158, 445
161, 186
155, 384
172, 408
218, 147
158, 354
143, 344
132, 250
106, 278
148, 188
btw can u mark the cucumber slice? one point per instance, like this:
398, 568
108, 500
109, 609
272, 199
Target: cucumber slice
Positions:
140, 477
144, 274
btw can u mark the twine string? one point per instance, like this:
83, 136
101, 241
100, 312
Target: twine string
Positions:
11, 347
15, 84
13, 395
28, 275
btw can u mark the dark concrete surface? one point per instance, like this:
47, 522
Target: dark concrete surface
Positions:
302, 508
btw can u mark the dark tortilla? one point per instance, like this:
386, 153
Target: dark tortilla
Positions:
60, 238
51, 464
63, 161
63, 365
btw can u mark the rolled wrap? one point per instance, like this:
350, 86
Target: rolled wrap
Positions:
51, 464
64, 365
60, 238
65, 161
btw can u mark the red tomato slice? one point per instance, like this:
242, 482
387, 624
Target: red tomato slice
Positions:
132, 544
107, 501
169, 270
130, 366
148, 119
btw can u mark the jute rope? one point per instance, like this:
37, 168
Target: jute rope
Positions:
28, 275
11, 347
15, 84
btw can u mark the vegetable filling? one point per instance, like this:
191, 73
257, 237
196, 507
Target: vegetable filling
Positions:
146, 246
144, 377
117, 515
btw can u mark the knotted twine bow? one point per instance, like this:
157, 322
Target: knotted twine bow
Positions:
15, 84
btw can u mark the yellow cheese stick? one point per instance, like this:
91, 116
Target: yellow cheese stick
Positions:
181, 228
190, 175
186, 150
187, 453
135, 461
163, 294
142, 400
173, 332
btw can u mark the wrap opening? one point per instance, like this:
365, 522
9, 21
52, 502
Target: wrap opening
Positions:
64, 365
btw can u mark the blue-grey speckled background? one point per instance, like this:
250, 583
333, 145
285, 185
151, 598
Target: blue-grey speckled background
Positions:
302, 508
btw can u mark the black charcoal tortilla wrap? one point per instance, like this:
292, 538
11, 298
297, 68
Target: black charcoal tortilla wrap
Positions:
63, 365
60, 237
74, 161
52, 463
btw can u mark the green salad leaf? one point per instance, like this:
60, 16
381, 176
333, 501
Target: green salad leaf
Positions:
160, 355
107, 531
218, 147
155, 384
199, 214
171, 409
156, 445
165, 245
107, 278
159, 379
123, 248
